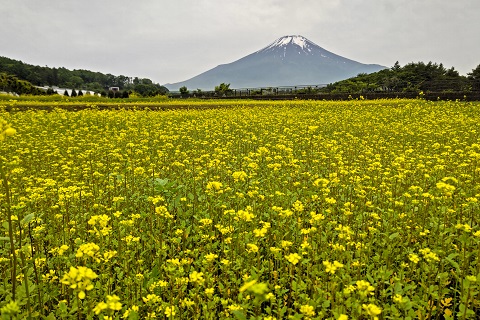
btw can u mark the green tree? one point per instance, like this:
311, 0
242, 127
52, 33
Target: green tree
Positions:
76, 81
74, 93
11, 83
396, 66
50, 91
94, 86
452, 73
183, 90
475, 74
149, 90
223, 89
66, 93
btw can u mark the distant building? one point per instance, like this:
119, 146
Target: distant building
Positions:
61, 91
9, 93
114, 89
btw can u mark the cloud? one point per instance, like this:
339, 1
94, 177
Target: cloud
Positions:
170, 41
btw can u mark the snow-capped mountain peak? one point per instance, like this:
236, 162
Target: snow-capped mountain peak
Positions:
295, 44
286, 40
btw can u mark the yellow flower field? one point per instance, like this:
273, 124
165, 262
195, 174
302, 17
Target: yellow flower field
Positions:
298, 210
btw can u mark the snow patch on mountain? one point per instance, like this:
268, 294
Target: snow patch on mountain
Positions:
293, 44
300, 41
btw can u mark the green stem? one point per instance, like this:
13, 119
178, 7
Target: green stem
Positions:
37, 280
79, 310
27, 291
13, 260
24, 270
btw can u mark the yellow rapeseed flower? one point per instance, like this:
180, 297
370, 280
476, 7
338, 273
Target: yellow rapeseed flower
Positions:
260, 232
251, 247
332, 267
211, 257
170, 311
87, 249
429, 255
79, 279
214, 186
293, 258
298, 206
414, 258
307, 310
364, 288
372, 310
196, 277
5, 130
209, 291
239, 176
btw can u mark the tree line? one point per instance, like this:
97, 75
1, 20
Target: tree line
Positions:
412, 77
10, 83
21, 78
78, 79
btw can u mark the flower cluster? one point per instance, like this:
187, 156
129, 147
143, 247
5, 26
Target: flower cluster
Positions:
5, 129
79, 279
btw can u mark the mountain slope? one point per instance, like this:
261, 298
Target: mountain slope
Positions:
288, 61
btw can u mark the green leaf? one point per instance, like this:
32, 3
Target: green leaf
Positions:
133, 315
160, 182
62, 307
294, 286
453, 255
51, 316
393, 235
29, 217
239, 315
155, 272
326, 304
453, 263
4, 239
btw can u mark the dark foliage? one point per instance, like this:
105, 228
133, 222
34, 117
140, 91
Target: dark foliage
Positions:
80, 79
10, 83
413, 77
475, 74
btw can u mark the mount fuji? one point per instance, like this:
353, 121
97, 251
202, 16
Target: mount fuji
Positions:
288, 61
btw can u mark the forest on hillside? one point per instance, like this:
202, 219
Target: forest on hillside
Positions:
15, 70
412, 77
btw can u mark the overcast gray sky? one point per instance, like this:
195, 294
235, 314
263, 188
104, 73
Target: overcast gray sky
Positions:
171, 41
